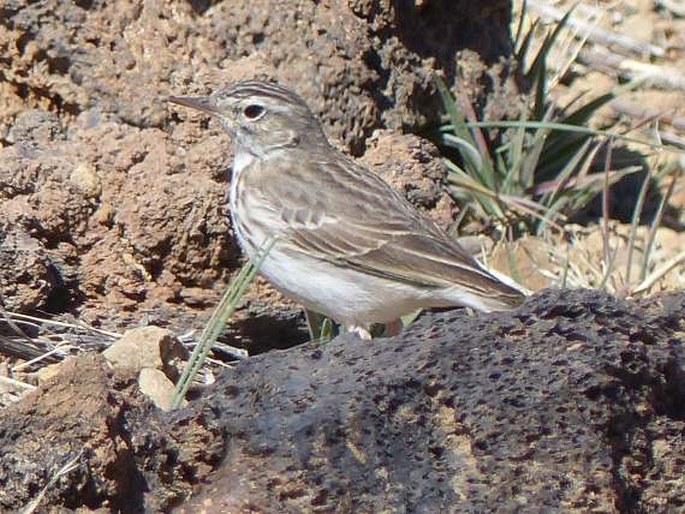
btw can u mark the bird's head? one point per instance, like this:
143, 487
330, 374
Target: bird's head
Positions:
259, 116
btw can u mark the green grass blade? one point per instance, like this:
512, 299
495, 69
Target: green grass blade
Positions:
520, 49
321, 328
562, 179
537, 73
635, 221
466, 149
479, 168
583, 114
487, 198
457, 119
227, 306
516, 159
649, 247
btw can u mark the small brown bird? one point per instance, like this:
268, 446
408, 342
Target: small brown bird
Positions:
347, 244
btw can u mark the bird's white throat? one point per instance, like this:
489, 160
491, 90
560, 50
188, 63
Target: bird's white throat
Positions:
240, 161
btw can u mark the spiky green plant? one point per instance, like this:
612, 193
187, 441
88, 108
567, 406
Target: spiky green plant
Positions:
536, 170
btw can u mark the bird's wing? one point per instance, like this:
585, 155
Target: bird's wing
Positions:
358, 221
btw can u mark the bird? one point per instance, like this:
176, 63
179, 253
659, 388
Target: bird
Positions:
345, 243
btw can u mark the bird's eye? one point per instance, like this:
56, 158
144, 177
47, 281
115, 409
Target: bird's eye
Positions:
253, 111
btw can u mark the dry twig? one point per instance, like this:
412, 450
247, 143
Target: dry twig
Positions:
621, 42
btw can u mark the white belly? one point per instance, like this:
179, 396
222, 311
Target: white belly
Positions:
348, 296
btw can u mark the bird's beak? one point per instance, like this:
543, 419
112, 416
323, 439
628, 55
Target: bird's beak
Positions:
199, 103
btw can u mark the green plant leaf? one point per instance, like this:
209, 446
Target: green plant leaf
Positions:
227, 306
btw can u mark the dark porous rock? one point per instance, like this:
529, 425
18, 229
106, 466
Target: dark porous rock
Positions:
571, 403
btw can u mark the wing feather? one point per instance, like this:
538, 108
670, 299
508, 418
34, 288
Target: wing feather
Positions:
364, 224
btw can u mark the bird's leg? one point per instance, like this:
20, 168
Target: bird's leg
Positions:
392, 328
362, 332
321, 328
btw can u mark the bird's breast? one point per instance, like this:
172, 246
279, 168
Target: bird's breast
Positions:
237, 201
242, 160
250, 212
